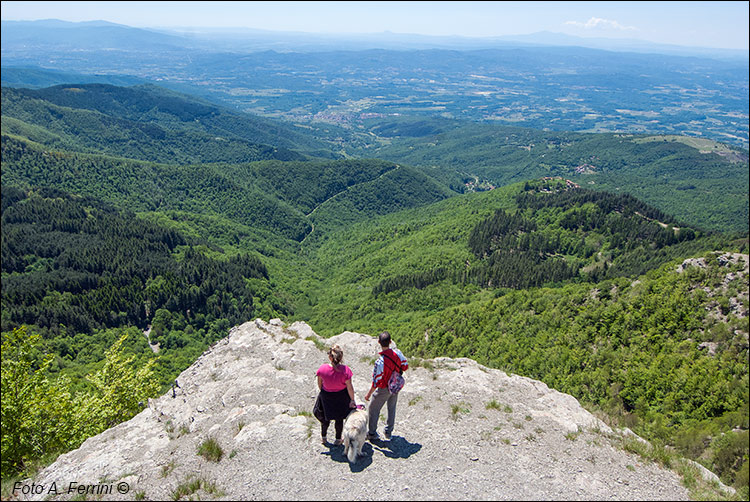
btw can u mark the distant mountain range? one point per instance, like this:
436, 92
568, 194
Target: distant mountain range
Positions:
33, 35
98, 34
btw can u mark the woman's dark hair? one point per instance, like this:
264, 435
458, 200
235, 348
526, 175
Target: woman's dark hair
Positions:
337, 355
384, 339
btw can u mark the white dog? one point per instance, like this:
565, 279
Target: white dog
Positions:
355, 433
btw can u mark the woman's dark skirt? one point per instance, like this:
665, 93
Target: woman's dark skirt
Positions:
332, 405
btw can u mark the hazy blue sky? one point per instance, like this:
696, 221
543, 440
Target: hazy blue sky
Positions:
704, 24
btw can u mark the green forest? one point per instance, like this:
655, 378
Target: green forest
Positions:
131, 242
707, 185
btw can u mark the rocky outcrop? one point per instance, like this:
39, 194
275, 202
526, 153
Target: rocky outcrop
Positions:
463, 431
732, 277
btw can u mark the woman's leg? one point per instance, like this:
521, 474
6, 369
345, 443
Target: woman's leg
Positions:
324, 429
339, 427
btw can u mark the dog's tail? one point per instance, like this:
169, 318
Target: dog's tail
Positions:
353, 449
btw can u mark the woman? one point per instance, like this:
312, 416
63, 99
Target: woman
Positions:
336, 397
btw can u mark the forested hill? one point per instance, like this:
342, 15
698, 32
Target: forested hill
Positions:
145, 186
271, 195
147, 122
74, 268
697, 180
547, 232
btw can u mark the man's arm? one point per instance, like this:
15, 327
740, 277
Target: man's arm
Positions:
369, 392
377, 374
402, 360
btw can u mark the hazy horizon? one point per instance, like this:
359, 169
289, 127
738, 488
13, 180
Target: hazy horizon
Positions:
720, 25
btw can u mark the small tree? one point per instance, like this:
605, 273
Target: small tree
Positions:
120, 390
40, 416
33, 417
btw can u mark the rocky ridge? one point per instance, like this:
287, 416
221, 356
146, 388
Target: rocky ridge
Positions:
463, 432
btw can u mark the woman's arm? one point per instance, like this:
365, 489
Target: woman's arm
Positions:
350, 388
320, 383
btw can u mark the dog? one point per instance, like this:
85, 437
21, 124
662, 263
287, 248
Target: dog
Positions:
355, 433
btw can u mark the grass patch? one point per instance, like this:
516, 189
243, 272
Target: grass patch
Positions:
418, 362
698, 487
191, 485
370, 361
318, 343
210, 450
458, 409
309, 427
186, 488
211, 488
179, 432
572, 436
493, 405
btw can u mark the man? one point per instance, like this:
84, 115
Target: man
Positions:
389, 361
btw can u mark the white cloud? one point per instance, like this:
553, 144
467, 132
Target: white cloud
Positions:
597, 22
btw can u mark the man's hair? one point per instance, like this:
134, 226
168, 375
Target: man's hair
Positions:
384, 339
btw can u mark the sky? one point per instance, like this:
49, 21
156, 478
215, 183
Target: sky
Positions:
697, 24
